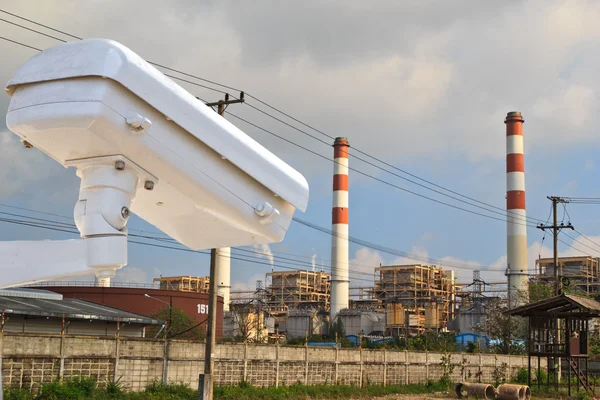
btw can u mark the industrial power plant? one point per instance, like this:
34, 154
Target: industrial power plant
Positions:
173, 257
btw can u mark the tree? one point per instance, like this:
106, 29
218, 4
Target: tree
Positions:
182, 326
537, 291
508, 331
247, 324
337, 327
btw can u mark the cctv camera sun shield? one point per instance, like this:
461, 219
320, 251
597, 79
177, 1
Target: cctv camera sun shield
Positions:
98, 107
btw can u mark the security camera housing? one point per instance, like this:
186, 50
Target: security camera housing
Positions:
98, 107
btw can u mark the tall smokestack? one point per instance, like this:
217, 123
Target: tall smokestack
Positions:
516, 241
339, 220
224, 275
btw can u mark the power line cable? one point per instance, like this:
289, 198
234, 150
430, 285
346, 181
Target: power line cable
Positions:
295, 263
503, 212
166, 237
39, 24
19, 43
431, 199
391, 251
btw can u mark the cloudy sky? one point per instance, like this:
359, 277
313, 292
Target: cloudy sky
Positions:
423, 86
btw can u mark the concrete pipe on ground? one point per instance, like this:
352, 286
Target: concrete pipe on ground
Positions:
461, 390
513, 392
482, 391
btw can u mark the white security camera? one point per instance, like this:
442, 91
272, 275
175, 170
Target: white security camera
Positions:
140, 143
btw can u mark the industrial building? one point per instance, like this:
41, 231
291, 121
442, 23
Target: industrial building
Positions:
295, 290
140, 299
45, 312
305, 322
582, 273
415, 297
359, 322
184, 283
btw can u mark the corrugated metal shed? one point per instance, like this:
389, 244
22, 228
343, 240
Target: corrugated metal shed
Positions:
31, 293
69, 308
558, 304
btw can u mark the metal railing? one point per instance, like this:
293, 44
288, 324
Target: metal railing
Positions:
93, 284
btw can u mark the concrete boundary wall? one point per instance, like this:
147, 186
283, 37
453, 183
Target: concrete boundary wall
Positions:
28, 360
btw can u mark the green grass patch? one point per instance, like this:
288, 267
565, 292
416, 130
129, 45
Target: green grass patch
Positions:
88, 389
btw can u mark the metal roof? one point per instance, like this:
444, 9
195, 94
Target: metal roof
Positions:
70, 309
31, 293
564, 303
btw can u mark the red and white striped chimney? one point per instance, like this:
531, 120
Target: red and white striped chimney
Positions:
516, 241
339, 220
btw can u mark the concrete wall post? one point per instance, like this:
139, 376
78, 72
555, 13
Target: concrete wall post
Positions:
480, 369
245, 373
427, 366
277, 365
406, 365
165, 374
61, 366
360, 359
117, 350
306, 364
1, 360
384, 367
337, 364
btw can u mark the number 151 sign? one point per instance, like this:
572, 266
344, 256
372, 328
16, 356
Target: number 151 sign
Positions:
202, 308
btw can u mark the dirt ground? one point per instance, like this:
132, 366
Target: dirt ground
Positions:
436, 397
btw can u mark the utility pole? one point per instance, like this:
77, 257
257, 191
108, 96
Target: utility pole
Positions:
556, 228
205, 391
558, 289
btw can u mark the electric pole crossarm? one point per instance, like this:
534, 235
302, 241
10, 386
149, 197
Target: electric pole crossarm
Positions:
227, 101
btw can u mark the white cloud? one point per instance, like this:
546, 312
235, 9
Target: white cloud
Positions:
362, 266
420, 77
249, 284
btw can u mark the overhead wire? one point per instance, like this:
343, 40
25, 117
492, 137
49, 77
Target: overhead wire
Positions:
164, 246
385, 182
503, 212
166, 237
66, 228
70, 228
295, 119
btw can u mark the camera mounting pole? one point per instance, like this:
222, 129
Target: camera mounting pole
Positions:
108, 187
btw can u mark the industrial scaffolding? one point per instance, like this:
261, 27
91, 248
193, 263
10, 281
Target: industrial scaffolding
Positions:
581, 273
184, 283
293, 290
416, 297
